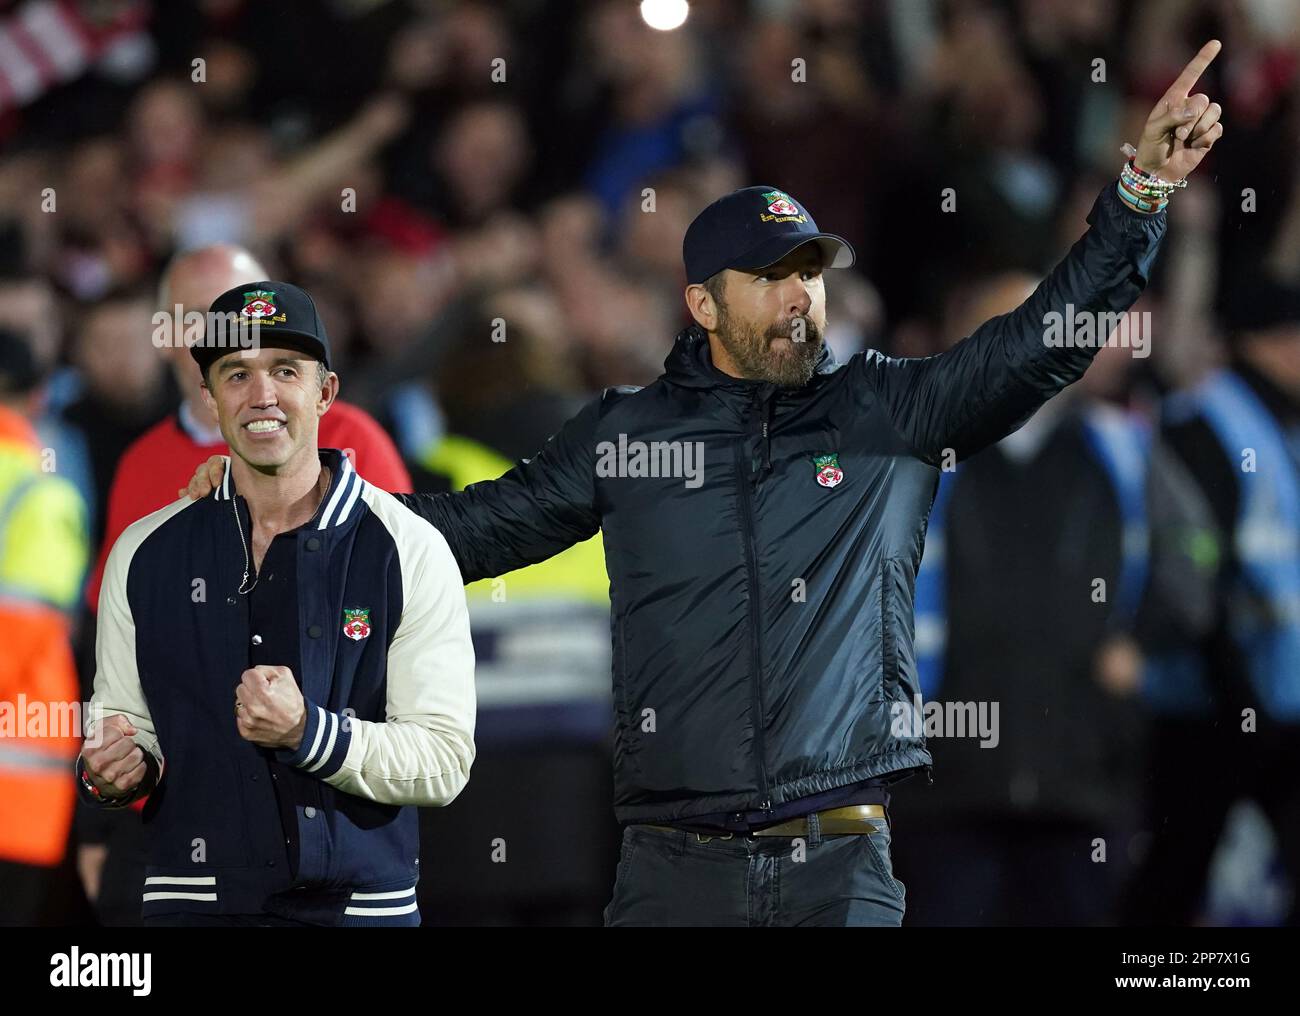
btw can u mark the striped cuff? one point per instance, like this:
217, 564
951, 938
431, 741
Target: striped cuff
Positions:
378, 910
325, 741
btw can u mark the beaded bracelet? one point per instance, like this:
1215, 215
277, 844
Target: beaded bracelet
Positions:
1143, 191
1147, 184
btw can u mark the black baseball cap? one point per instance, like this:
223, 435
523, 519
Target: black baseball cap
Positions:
285, 315
752, 228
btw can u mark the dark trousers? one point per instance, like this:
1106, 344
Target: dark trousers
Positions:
674, 879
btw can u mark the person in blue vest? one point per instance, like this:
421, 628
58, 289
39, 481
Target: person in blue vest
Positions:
1226, 708
1052, 559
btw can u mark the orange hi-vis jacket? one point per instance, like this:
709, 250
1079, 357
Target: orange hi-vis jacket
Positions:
43, 555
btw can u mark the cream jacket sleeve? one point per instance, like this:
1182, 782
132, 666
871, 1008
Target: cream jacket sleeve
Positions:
422, 752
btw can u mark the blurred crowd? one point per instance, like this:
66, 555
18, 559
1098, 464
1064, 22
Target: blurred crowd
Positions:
443, 176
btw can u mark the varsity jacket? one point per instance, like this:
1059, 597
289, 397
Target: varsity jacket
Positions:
380, 646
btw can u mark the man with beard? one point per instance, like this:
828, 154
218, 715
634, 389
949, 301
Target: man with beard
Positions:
763, 511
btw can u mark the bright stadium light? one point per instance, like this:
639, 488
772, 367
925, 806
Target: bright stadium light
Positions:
665, 15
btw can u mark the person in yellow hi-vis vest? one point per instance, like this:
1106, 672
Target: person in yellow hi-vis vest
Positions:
43, 556
541, 632
578, 573
541, 643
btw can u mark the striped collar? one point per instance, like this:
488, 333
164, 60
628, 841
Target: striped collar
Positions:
340, 500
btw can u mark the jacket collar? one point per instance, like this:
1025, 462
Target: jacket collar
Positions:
339, 502
690, 364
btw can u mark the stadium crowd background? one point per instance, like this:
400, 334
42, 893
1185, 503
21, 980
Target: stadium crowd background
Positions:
364, 151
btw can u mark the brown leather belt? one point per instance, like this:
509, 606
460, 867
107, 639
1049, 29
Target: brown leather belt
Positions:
854, 819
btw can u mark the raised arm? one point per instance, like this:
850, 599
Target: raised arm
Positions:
985, 386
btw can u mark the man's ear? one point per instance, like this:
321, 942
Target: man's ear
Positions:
329, 391
699, 301
208, 399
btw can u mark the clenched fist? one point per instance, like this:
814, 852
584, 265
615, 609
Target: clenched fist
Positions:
269, 708
116, 765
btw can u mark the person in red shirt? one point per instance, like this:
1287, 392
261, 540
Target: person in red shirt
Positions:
160, 463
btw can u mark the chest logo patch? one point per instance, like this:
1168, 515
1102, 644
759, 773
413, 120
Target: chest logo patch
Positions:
829, 473
356, 623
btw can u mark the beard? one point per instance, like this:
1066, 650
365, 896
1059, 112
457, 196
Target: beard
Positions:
770, 354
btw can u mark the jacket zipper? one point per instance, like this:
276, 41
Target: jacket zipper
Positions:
756, 652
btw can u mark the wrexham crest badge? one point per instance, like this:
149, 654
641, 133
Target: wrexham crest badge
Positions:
780, 204
829, 473
356, 623
259, 304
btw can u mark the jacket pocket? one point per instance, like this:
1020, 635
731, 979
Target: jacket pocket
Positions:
620, 669
200, 818
626, 730
895, 603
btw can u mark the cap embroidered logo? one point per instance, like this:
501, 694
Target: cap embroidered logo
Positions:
780, 204
260, 303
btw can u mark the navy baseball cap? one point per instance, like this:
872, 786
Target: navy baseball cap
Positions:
752, 228
286, 317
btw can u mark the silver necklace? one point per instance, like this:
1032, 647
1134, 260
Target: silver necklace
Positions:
248, 561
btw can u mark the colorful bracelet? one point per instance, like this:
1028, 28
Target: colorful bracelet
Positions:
1148, 183
1142, 191
1139, 203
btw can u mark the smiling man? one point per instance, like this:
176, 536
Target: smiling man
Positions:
762, 619
283, 666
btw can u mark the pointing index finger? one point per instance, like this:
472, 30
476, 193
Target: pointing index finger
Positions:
1181, 88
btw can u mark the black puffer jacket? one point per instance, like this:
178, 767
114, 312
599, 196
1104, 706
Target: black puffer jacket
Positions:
762, 618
